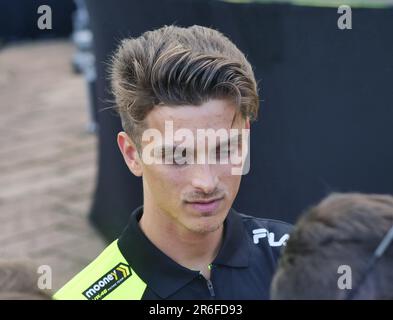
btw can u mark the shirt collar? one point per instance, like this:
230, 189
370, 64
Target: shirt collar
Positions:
165, 276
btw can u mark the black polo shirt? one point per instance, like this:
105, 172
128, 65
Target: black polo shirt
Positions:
243, 268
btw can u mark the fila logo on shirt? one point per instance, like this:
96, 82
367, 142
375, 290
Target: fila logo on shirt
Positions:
264, 233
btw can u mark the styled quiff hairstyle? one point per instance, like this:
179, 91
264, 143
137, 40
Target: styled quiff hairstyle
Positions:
176, 66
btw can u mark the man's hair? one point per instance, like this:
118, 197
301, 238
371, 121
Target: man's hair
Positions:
344, 229
176, 66
19, 281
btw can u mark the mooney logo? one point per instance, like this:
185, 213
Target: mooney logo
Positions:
111, 280
263, 233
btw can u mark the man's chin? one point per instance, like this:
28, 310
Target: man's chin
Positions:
205, 225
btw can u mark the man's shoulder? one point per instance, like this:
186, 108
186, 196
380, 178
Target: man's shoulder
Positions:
275, 231
104, 278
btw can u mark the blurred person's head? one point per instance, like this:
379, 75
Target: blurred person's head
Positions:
193, 79
19, 281
342, 230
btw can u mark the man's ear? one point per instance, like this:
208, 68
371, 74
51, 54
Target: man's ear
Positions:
130, 153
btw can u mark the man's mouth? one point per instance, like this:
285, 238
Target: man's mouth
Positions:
205, 205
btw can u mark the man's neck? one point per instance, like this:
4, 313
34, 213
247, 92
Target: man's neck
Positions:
192, 250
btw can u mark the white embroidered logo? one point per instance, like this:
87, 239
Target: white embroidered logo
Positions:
263, 233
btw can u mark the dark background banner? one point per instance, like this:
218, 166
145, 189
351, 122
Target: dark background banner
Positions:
18, 19
326, 117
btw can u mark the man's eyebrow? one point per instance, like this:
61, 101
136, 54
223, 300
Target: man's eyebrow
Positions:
172, 148
169, 148
165, 148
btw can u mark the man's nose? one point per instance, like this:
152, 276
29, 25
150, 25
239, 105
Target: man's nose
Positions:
204, 178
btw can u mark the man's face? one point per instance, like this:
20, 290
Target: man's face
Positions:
196, 196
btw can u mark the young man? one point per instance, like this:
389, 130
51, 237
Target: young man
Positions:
340, 249
186, 97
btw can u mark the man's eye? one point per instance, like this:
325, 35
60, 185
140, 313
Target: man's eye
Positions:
166, 157
225, 153
222, 153
182, 159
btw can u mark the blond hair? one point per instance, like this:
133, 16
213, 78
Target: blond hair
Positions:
175, 66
